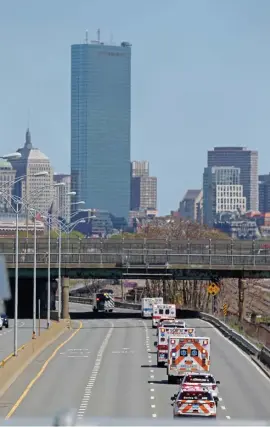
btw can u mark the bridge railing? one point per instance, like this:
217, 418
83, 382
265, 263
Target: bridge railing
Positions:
118, 304
145, 258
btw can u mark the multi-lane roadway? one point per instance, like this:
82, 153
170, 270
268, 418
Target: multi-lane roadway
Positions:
108, 369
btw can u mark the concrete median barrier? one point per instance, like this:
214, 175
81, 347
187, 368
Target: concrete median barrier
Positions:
15, 365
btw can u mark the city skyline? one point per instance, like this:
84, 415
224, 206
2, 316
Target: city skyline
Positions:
199, 84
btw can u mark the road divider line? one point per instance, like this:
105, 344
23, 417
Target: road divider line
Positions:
91, 382
154, 415
34, 380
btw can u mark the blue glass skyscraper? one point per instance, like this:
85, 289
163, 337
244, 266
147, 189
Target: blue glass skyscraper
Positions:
100, 125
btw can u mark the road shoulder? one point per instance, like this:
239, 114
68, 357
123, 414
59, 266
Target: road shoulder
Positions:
15, 366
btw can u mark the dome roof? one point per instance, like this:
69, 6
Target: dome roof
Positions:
36, 154
4, 164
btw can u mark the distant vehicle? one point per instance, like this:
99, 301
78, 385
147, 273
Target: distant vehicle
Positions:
103, 302
4, 320
147, 306
1, 323
163, 311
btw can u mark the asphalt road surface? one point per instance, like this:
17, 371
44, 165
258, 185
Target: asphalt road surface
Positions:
108, 369
25, 330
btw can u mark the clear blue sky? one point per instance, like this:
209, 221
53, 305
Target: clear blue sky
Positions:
200, 78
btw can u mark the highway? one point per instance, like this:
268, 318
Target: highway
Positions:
25, 329
108, 369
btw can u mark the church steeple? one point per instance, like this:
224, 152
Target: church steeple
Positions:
28, 143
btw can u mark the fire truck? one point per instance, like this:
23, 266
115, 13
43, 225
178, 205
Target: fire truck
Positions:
164, 331
187, 354
103, 301
163, 311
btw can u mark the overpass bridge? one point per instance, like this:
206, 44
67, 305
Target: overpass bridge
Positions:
135, 258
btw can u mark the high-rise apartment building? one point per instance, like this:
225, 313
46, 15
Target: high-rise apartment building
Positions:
140, 168
143, 187
100, 125
61, 195
247, 161
144, 193
222, 192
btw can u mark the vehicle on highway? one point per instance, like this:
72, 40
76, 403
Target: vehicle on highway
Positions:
194, 401
147, 306
187, 354
205, 380
167, 322
1, 323
164, 331
163, 311
103, 302
5, 320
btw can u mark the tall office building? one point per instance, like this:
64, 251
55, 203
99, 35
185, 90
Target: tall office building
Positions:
100, 125
222, 192
264, 193
191, 206
36, 174
62, 198
247, 161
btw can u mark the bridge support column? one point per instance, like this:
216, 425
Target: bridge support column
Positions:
241, 296
65, 298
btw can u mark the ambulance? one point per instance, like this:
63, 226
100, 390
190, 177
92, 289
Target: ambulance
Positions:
164, 331
147, 306
187, 354
163, 311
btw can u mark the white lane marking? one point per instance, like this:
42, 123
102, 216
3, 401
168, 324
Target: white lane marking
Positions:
228, 417
223, 407
239, 350
151, 366
220, 399
92, 379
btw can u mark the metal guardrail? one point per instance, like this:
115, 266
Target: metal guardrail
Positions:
118, 304
232, 335
146, 259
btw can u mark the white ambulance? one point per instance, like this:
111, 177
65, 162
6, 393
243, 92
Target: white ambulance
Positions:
187, 354
164, 331
163, 311
147, 306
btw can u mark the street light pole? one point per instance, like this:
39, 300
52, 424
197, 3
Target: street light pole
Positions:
35, 277
49, 279
59, 273
16, 284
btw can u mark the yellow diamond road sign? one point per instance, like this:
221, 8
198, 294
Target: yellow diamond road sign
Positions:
213, 289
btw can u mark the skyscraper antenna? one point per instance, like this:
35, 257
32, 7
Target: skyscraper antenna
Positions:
28, 118
98, 35
86, 36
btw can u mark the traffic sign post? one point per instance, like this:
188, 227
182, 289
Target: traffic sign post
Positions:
225, 310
